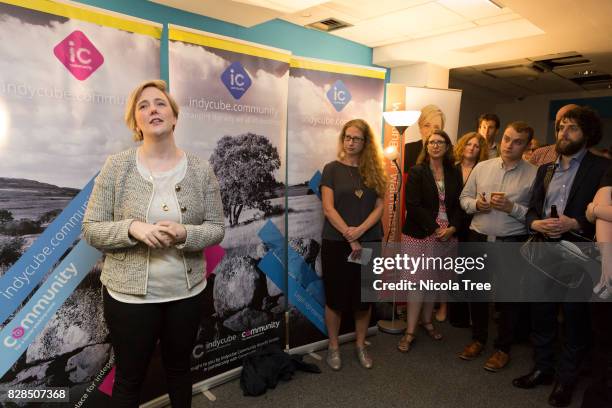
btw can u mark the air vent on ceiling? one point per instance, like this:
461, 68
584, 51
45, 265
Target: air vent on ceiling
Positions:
592, 79
512, 71
556, 63
328, 24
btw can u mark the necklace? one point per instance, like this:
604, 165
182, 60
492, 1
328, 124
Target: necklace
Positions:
164, 199
358, 191
439, 179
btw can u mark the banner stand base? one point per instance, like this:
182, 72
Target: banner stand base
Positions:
206, 385
211, 397
392, 326
315, 356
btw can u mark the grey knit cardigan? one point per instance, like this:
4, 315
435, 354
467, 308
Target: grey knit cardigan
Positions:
121, 195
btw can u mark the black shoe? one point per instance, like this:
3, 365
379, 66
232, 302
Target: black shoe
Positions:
534, 378
561, 395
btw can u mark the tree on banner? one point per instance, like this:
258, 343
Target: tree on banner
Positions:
245, 168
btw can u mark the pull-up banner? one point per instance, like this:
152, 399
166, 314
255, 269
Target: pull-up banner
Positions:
233, 101
323, 96
65, 73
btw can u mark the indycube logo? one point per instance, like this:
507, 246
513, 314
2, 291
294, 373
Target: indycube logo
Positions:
236, 80
78, 55
18, 332
339, 95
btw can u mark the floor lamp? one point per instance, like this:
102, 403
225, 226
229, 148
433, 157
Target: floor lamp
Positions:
400, 120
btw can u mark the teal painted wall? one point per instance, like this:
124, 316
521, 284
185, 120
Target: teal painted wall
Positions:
276, 33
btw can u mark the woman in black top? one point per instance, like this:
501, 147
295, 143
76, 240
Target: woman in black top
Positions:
352, 190
433, 215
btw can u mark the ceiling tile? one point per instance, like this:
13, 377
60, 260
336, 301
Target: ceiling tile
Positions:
472, 9
497, 19
388, 41
545, 83
444, 30
413, 20
367, 33
364, 9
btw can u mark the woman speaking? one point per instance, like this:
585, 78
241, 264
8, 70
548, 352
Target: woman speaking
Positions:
152, 211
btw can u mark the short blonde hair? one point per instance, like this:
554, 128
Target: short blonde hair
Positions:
130, 108
428, 112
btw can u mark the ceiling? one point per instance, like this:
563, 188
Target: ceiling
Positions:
494, 44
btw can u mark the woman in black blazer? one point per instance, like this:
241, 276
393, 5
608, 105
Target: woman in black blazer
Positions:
433, 216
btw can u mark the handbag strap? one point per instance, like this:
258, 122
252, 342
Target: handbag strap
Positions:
550, 171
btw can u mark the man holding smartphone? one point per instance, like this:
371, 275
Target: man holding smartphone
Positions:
498, 193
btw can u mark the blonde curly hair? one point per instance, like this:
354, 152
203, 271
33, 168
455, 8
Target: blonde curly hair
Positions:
371, 164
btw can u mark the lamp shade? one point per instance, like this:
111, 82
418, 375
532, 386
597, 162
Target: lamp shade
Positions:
401, 118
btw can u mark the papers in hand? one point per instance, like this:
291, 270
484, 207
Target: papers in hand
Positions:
366, 254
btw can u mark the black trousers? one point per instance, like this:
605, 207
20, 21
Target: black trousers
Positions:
135, 330
576, 338
510, 312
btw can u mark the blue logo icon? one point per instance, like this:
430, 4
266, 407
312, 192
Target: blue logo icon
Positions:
339, 95
236, 80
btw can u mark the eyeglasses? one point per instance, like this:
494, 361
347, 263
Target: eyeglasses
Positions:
355, 139
436, 143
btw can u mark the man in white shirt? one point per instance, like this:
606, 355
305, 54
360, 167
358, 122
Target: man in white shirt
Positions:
497, 193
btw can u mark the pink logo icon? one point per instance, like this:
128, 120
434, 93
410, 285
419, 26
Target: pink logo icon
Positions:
213, 256
107, 385
18, 332
78, 55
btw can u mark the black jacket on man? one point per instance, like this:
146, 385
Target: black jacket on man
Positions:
422, 203
544, 314
585, 185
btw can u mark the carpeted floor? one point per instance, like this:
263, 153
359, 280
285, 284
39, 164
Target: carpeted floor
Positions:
430, 375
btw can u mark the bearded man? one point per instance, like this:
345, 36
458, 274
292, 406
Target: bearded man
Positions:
569, 183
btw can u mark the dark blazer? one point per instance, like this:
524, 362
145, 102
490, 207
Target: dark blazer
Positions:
585, 185
422, 204
411, 154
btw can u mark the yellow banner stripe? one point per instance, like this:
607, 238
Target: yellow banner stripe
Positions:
91, 16
228, 45
337, 68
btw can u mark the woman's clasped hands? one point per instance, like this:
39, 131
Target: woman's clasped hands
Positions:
162, 234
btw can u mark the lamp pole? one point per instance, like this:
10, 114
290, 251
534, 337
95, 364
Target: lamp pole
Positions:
394, 326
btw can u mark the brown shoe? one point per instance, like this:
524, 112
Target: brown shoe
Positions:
471, 351
497, 361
